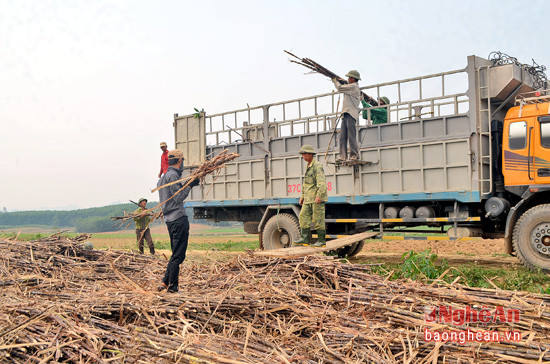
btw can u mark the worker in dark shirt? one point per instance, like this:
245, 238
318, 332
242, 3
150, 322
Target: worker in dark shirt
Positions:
171, 199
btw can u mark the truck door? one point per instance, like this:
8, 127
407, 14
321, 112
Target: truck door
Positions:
541, 150
518, 152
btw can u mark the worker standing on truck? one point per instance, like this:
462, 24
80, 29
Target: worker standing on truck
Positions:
163, 159
350, 115
378, 115
142, 226
314, 196
175, 217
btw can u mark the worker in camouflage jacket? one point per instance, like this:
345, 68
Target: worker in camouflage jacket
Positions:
314, 196
142, 219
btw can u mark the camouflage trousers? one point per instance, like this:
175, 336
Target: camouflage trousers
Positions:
313, 213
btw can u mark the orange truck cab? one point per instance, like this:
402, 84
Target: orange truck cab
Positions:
526, 172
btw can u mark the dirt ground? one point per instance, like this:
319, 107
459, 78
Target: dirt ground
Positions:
440, 247
484, 252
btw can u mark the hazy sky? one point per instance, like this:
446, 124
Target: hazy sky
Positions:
88, 89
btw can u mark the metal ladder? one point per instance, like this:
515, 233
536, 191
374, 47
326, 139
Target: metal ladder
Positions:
484, 137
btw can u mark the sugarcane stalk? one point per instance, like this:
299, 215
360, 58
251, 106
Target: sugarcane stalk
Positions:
316, 67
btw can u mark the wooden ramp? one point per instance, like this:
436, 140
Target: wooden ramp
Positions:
307, 250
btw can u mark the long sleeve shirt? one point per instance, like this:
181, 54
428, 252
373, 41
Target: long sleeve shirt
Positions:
143, 221
352, 96
173, 209
315, 183
378, 116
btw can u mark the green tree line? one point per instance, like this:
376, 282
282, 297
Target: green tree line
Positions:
92, 220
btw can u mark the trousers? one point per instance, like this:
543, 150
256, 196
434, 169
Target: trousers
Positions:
348, 132
179, 236
312, 213
145, 234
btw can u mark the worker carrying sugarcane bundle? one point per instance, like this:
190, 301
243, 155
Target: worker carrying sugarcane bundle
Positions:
378, 115
314, 196
350, 110
172, 193
350, 115
142, 219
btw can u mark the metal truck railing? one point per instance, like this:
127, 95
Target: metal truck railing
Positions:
318, 113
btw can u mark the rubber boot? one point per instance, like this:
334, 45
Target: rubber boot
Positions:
304, 238
321, 239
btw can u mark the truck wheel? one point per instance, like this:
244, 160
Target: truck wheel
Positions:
531, 238
348, 251
358, 247
280, 231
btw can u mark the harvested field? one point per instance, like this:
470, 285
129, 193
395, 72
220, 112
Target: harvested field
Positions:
62, 303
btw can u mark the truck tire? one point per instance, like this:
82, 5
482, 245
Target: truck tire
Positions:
348, 251
358, 247
279, 232
531, 238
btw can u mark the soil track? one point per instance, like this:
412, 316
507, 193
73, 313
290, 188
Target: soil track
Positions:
440, 247
486, 252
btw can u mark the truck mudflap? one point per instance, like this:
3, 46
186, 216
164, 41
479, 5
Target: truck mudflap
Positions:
306, 250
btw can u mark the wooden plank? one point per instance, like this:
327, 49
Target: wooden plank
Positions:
306, 250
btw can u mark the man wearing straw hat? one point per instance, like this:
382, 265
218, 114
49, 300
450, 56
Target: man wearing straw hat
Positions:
143, 232
171, 198
314, 196
163, 159
350, 115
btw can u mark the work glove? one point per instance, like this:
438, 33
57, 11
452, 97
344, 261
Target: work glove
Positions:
194, 183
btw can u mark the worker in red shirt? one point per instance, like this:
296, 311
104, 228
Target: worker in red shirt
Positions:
163, 159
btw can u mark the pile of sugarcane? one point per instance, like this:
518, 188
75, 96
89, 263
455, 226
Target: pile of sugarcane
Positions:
316, 67
58, 236
63, 303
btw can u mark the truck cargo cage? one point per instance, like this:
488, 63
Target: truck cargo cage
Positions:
434, 153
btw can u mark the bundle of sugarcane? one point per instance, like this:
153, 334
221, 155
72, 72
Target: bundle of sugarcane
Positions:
316, 67
127, 217
209, 166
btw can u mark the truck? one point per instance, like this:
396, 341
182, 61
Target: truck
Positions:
466, 151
